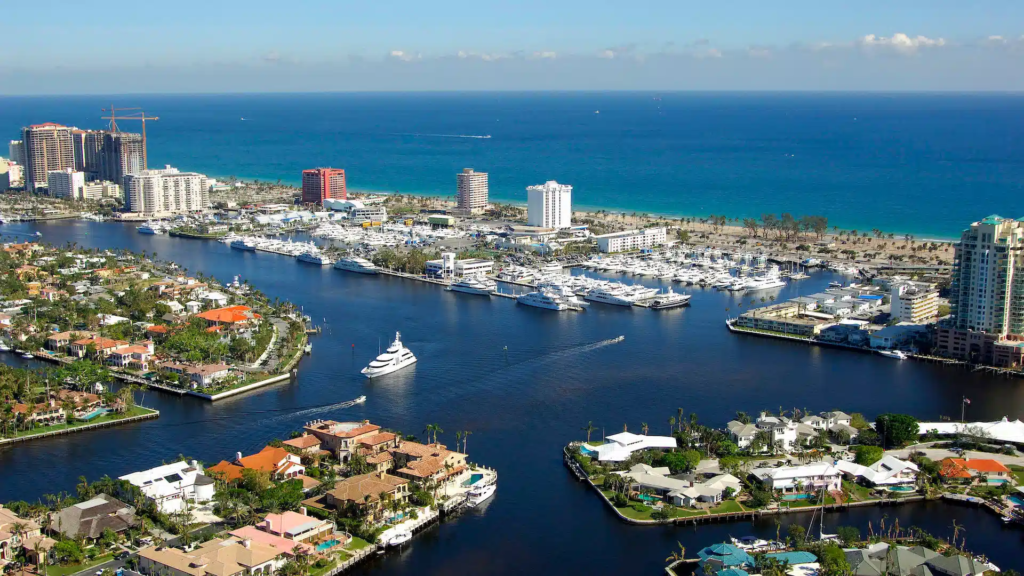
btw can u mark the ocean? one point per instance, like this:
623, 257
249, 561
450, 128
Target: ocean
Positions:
926, 164
525, 381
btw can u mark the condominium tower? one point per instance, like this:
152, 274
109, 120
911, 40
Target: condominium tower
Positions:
104, 155
47, 147
987, 293
16, 152
166, 191
66, 183
549, 205
472, 190
319, 184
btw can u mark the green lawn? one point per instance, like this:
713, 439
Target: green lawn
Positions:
314, 571
357, 544
595, 443
727, 506
72, 568
806, 503
1018, 472
134, 411
857, 492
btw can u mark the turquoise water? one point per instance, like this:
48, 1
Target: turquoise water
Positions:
1017, 500
997, 480
898, 162
326, 545
473, 479
94, 414
901, 489
797, 497
586, 451
647, 498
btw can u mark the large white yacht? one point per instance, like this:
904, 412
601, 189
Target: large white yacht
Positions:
669, 299
479, 495
318, 258
356, 264
613, 296
473, 285
151, 228
770, 279
396, 357
246, 244
543, 299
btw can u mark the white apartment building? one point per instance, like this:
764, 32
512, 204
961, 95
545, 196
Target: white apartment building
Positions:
915, 303
368, 214
472, 190
66, 183
631, 240
100, 190
987, 293
549, 205
166, 191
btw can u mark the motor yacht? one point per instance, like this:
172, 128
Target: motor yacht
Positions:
396, 357
399, 539
473, 285
245, 244
543, 299
616, 297
27, 356
317, 258
478, 496
894, 354
670, 299
151, 228
4, 347
356, 264
565, 294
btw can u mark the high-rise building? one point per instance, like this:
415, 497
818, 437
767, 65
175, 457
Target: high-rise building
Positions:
99, 190
549, 205
66, 183
122, 153
48, 147
319, 184
166, 191
914, 302
472, 190
16, 151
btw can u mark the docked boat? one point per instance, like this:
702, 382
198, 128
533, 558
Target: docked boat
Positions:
610, 296
399, 539
670, 299
478, 496
542, 299
894, 354
4, 347
315, 258
396, 357
151, 228
473, 285
243, 244
835, 284
356, 264
27, 356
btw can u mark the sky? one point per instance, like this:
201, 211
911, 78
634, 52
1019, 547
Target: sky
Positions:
190, 46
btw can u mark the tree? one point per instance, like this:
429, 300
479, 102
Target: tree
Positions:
868, 455
679, 462
796, 534
832, 561
896, 429
858, 421
849, 535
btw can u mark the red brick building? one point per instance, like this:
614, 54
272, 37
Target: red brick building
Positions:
319, 184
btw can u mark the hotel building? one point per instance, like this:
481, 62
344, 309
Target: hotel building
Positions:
166, 191
319, 184
47, 147
472, 190
631, 240
549, 205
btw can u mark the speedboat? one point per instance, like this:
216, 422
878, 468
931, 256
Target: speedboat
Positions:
894, 354
27, 356
670, 299
315, 258
479, 495
356, 264
834, 284
399, 539
542, 299
396, 357
473, 285
4, 347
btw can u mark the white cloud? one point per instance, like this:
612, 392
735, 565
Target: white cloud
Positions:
900, 42
758, 52
544, 55
709, 53
606, 54
404, 56
485, 56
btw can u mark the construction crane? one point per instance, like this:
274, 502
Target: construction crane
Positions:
113, 116
134, 116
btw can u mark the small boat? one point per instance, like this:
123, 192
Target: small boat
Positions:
5, 348
1007, 519
618, 339
27, 356
834, 284
308, 349
894, 354
360, 400
478, 496
400, 538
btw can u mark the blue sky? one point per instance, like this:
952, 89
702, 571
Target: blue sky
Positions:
311, 45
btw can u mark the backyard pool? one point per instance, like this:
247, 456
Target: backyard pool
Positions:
797, 497
327, 545
997, 480
1017, 500
94, 414
586, 451
473, 479
902, 489
647, 498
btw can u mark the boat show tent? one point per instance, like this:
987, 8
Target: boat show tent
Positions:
1004, 430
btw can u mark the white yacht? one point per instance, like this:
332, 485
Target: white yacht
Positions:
317, 258
244, 244
396, 357
610, 296
766, 283
4, 347
473, 285
399, 539
543, 299
356, 264
151, 228
894, 354
478, 496
669, 299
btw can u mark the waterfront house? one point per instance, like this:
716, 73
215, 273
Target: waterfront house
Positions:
363, 491
889, 471
742, 434
215, 299
173, 306
898, 335
992, 471
90, 518
101, 347
135, 357
415, 461
171, 486
619, 447
14, 534
59, 341
797, 479
278, 463
230, 316
284, 546
682, 491
1003, 430
782, 429
44, 413
878, 559
306, 444
200, 376
288, 530
217, 557
721, 557
341, 438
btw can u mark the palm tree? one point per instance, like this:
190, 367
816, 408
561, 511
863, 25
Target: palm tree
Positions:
588, 429
671, 424
677, 556
644, 427
465, 438
679, 419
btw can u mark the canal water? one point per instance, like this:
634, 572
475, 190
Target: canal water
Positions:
524, 381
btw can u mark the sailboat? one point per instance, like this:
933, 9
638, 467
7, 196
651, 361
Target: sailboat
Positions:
822, 536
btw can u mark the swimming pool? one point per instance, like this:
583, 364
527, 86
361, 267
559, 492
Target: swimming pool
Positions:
94, 414
902, 489
327, 545
797, 497
647, 498
473, 479
586, 451
1017, 500
997, 480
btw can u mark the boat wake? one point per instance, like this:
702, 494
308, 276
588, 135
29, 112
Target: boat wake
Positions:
317, 410
481, 137
571, 351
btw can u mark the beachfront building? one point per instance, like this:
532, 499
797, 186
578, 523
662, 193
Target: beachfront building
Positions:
471, 188
915, 302
165, 192
631, 240
799, 479
889, 471
47, 147
682, 491
217, 557
618, 447
319, 184
101, 190
549, 205
16, 151
66, 183
277, 463
172, 486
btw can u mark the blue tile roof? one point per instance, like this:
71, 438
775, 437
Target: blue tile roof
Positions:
727, 554
791, 558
